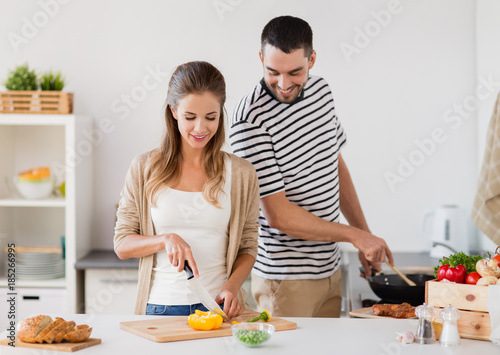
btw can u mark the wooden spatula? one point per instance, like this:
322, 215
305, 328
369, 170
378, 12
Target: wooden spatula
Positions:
407, 280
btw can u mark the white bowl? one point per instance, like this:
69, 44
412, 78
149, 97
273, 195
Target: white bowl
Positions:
35, 189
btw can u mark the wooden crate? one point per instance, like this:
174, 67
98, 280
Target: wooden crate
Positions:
461, 296
50, 102
471, 300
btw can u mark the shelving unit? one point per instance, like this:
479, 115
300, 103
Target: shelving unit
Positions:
58, 141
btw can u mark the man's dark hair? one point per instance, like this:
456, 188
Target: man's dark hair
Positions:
288, 33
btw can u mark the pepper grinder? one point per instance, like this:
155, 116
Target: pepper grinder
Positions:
425, 332
449, 335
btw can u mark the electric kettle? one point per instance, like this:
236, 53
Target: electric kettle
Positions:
447, 228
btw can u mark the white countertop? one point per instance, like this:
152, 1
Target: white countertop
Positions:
312, 336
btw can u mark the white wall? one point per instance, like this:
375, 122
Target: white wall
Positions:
413, 67
488, 59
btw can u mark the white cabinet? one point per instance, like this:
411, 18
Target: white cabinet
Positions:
110, 291
33, 301
61, 142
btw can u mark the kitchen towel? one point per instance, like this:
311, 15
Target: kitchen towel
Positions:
486, 207
494, 310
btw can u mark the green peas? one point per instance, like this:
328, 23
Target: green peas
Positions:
252, 337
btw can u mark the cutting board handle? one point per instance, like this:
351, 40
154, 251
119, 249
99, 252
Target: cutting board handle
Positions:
188, 270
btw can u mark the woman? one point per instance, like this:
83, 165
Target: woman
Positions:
190, 201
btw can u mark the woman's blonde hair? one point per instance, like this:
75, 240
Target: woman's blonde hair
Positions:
163, 168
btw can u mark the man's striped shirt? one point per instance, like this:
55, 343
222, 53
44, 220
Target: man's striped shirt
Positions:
294, 148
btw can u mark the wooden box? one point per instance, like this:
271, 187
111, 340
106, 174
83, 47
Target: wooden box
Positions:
471, 300
461, 296
49, 102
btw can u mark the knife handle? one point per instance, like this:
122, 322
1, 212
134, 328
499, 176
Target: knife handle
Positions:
188, 270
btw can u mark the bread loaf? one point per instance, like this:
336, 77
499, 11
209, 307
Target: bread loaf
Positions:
30, 328
42, 329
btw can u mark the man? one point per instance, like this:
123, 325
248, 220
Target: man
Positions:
287, 128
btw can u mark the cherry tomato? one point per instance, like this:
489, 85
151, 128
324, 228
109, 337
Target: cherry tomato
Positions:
472, 278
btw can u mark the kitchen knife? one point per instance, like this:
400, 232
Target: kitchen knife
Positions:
197, 287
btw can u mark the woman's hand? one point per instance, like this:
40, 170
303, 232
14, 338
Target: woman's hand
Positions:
232, 307
178, 251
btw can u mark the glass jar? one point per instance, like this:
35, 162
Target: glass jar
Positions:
449, 335
425, 332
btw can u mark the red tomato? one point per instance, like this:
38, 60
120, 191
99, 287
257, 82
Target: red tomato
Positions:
496, 258
472, 278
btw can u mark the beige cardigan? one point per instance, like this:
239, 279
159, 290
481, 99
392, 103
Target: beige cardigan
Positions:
486, 208
134, 217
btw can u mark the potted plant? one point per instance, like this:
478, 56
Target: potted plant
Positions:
52, 81
24, 97
22, 78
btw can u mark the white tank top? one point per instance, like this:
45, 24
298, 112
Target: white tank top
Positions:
205, 228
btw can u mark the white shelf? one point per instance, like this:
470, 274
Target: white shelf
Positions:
28, 140
20, 202
50, 283
29, 119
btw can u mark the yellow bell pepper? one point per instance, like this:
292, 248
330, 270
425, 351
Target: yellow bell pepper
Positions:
204, 320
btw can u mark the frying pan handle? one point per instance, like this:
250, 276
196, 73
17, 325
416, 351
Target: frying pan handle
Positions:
188, 270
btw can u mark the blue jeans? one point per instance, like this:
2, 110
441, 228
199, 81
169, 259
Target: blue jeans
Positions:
184, 310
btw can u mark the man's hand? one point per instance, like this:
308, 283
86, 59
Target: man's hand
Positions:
372, 252
368, 266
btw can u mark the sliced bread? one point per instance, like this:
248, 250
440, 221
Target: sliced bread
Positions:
69, 327
78, 336
30, 328
41, 336
49, 338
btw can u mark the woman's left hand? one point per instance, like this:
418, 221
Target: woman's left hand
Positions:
232, 307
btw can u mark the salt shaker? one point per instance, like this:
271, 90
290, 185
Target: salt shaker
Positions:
449, 335
425, 332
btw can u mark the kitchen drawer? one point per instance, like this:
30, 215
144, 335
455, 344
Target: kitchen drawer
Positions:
110, 291
33, 301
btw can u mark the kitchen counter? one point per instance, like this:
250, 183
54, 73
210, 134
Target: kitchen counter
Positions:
312, 336
105, 259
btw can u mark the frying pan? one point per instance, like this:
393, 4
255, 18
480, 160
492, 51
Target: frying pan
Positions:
393, 289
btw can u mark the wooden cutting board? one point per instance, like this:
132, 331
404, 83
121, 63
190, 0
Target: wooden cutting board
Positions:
70, 347
177, 328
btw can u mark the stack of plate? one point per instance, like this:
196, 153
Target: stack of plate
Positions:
39, 265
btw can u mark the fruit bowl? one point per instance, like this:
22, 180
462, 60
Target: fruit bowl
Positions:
34, 183
252, 334
35, 189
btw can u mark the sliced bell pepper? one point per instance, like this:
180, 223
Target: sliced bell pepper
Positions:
200, 320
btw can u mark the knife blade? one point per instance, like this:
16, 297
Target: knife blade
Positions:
197, 287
